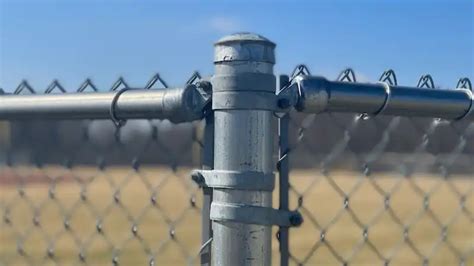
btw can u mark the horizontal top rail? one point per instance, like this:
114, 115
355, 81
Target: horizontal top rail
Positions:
317, 95
177, 105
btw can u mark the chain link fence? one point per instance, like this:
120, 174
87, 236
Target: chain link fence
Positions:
381, 190
372, 189
86, 192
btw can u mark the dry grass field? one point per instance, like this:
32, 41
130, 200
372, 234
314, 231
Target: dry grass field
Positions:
62, 213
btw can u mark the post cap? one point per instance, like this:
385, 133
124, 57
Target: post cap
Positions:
244, 37
244, 46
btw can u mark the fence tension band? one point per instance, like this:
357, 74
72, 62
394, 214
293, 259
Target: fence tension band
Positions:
254, 215
249, 180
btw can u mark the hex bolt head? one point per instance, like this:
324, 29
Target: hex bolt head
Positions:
296, 219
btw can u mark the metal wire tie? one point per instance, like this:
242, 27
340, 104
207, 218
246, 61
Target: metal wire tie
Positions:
113, 116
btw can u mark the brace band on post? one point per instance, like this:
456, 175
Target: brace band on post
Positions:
254, 215
248, 180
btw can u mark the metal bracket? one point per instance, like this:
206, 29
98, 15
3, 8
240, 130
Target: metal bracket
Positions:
203, 102
249, 180
287, 97
249, 214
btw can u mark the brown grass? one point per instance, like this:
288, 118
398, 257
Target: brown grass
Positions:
174, 210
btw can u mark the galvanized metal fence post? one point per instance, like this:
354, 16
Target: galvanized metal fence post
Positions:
242, 83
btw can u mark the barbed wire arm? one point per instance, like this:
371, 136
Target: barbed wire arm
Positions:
318, 95
177, 105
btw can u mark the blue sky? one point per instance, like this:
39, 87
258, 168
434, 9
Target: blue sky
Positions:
73, 40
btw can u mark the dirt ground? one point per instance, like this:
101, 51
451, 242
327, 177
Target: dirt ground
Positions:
155, 212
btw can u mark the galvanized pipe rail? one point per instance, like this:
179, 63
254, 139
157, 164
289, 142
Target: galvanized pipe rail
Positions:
318, 95
176, 105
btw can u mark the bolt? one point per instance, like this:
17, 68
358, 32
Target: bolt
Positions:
296, 219
283, 103
198, 178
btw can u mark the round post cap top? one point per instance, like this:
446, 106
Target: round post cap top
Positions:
244, 47
244, 37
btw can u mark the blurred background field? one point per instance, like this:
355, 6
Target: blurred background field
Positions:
52, 216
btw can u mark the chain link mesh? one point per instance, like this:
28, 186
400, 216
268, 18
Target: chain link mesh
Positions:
372, 190
381, 190
86, 192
